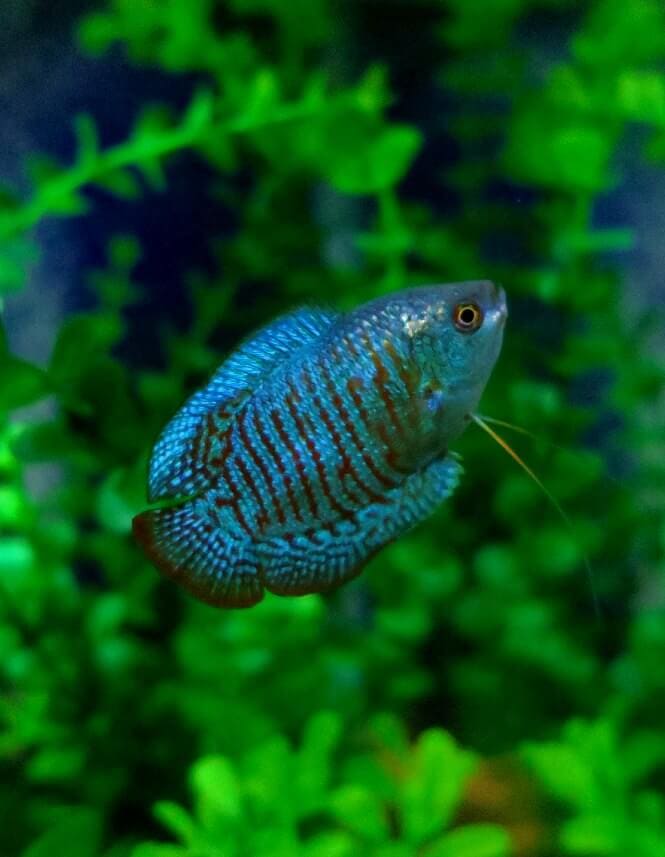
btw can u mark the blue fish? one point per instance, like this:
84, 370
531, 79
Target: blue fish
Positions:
321, 439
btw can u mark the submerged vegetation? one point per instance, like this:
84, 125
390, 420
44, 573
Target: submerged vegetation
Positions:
460, 699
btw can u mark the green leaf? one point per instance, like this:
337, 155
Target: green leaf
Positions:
17, 257
199, 114
390, 733
313, 765
377, 165
43, 441
154, 120
70, 204
643, 753
78, 834
553, 150
153, 123
97, 32
17, 556
81, 341
121, 183
124, 252
434, 786
87, 140
153, 171
592, 835
407, 623
216, 791
55, 765
120, 498
373, 93
262, 97
21, 383
641, 96
42, 169
600, 241
12, 506
268, 773
357, 809
616, 35
564, 773
476, 840
9, 201
176, 819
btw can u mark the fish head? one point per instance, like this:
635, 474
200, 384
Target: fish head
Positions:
455, 332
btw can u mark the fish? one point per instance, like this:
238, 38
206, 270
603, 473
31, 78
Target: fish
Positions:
321, 439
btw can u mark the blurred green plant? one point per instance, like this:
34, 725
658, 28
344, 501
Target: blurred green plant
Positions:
391, 801
598, 781
113, 684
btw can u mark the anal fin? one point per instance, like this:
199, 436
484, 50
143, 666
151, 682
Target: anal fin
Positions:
323, 559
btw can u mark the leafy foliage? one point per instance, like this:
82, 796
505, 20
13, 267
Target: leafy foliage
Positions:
240, 809
517, 724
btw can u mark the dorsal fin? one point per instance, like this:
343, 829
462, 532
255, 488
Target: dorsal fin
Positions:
179, 466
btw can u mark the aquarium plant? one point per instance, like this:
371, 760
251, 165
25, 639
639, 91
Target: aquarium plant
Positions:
472, 694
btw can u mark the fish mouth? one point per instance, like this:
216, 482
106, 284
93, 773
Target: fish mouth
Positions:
501, 306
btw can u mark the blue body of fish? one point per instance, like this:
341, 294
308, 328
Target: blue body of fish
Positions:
318, 441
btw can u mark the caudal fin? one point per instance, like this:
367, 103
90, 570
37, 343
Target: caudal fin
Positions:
219, 570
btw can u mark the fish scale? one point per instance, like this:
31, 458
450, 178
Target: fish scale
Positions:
316, 443
315, 439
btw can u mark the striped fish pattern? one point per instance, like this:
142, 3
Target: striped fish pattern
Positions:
317, 442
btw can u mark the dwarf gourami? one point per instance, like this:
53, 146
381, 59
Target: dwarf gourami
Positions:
321, 439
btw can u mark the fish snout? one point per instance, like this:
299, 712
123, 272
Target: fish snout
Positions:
501, 303
496, 306
491, 296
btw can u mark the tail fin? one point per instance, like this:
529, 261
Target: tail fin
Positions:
218, 569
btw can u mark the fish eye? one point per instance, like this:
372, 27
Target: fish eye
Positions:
467, 317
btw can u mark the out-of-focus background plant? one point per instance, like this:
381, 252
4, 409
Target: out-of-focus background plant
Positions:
462, 698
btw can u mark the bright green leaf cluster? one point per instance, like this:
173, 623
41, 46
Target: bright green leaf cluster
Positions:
241, 809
